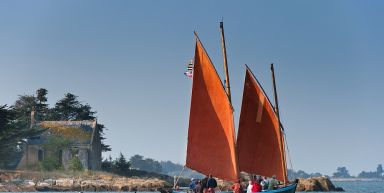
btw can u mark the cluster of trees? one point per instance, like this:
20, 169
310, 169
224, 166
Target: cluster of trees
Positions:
11, 137
342, 172
122, 166
301, 174
147, 164
15, 122
137, 163
373, 174
119, 165
163, 167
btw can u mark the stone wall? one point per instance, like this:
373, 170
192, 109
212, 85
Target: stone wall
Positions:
65, 157
84, 157
30, 156
95, 151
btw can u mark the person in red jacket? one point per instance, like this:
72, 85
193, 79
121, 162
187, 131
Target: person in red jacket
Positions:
236, 187
256, 187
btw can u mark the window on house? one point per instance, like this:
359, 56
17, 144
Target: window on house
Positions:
40, 155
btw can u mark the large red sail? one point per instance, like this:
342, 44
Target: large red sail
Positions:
211, 140
259, 145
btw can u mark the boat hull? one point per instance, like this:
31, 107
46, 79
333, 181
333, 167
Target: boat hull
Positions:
286, 189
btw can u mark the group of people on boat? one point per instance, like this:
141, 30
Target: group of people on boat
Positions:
256, 184
206, 185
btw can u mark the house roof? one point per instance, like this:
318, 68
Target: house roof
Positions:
76, 132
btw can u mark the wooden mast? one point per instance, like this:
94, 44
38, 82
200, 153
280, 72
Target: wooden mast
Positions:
280, 128
227, 84
228, 87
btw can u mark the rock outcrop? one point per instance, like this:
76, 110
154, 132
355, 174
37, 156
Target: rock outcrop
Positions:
20, 182
317, 184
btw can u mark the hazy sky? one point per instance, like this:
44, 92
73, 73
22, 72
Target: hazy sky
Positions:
126, 59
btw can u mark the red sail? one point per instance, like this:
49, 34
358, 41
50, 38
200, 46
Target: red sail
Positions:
211, 138
259, 141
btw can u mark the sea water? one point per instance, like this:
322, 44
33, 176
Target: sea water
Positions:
349, 187
361, 186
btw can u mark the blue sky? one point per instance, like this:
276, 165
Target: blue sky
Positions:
126, 59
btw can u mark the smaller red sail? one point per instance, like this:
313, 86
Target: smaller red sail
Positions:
259, 141
211, 137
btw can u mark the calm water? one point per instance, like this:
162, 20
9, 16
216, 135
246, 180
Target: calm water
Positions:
361, 187
349, 187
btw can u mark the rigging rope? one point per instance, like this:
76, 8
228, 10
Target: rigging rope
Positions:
178, 177
289, 154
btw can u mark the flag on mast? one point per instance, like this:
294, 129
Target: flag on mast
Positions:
189, 71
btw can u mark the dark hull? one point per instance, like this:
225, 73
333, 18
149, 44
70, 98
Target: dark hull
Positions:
287, 189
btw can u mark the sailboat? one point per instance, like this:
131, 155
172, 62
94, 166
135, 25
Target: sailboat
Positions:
212, 147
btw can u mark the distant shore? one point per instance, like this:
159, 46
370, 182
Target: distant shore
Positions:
356, 179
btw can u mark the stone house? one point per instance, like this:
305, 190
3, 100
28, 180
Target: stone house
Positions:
82, 140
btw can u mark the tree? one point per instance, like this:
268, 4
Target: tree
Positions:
7, 144
42, 95
70, 108
365, 174
11, 138
107, 164
25, 104
147, 164
22, 108
104, 147
75, 164
41, 107
372, 174
137, 161
342, 172
379, 170
121, 166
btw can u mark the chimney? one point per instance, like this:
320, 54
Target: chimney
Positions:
32, 119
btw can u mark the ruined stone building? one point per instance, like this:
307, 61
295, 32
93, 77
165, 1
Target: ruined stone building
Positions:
82, 140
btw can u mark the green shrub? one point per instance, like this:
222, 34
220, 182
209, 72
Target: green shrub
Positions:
75, 164
50, 163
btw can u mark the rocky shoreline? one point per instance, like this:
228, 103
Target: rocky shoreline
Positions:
94, 182
22, 181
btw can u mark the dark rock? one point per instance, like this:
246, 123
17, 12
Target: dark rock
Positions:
317, 184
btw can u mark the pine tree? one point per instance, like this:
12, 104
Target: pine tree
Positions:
12, 138
121, 165
41, 106
70, 108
